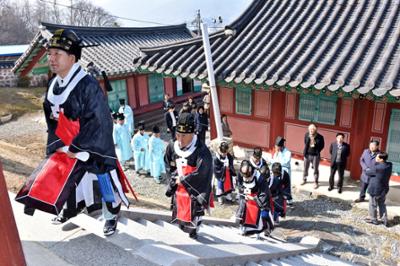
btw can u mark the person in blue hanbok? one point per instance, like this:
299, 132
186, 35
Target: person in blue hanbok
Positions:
115, 119
283, 156
156, 152
139, 146
127, 111
122, 140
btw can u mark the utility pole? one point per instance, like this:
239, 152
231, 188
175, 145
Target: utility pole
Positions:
71, 18
198, 22
211, 80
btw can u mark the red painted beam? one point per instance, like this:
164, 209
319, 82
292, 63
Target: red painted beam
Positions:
31, 64
11, 252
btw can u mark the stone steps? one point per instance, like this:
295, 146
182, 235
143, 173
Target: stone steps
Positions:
145, 237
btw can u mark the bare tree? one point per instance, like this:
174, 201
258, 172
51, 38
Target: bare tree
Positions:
19, 21
87, 14
12, 26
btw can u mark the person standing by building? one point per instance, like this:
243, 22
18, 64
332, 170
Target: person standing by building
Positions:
167, 102
191, 104
226, 131
379, 175
170, 118
283, 156
156, 151
74, 95
201, 124
339, 151
188, 164
367, 159
128, 113
314, 144
122, 140
206, 103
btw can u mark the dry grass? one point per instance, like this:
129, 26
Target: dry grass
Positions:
19, 101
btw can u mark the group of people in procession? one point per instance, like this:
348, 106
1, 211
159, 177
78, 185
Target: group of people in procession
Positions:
79, 122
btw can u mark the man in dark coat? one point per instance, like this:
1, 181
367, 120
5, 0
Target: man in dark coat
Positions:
201, 124
167, 102
339, 151
314, 143
188, 164
171, 117
379, 175
367, 159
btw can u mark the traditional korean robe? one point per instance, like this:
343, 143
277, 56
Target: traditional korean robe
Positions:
224, 172
129, 118
192, 196
156, 153
139, 146
79, 101
123, 142
249, 211
147, 161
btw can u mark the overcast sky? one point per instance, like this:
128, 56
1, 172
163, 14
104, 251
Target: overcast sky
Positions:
169, 11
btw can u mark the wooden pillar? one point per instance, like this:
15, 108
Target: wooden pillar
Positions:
11, 252
278, 100
360, 134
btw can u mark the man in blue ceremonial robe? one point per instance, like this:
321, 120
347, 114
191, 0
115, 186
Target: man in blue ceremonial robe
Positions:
127, 111
122, 140
139, 146
156, 152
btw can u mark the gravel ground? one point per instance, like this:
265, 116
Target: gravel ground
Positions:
340, 226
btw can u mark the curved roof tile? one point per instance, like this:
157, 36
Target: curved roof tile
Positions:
338, 44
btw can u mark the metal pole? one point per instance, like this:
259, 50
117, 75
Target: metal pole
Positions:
211, 79
10, 248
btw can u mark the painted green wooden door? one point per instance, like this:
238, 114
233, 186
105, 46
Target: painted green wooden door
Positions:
393, 143
118, 92
156, 88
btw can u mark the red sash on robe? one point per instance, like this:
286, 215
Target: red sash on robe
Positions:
183, 200
67, 129
252, 213
228, 181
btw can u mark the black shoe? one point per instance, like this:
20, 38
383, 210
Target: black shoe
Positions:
371, 221
193, 235
339, 190
60, 219
359, 200
110, 226
304, 182
330, 188
267, 233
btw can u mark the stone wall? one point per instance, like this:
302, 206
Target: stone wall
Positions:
39, 80
7, 78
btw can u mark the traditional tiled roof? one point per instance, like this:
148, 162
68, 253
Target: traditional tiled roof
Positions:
351, 45
115, 47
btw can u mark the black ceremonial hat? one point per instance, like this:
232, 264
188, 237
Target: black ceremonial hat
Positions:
156, 129
121, 116
280, 142
185, 123
66, 40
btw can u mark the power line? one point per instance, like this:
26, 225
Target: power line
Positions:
118, 17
